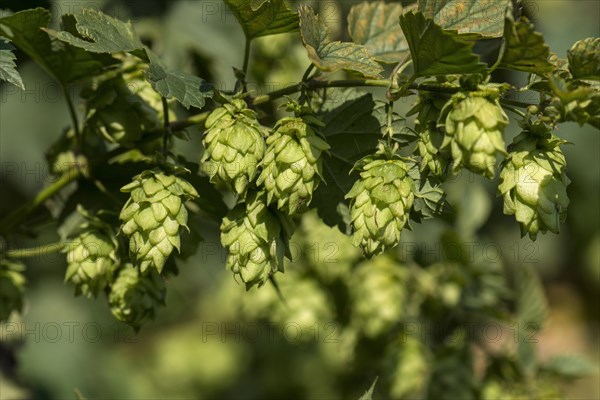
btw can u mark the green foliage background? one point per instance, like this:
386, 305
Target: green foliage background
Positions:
178, 356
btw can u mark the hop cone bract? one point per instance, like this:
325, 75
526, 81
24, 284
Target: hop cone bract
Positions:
292, 164
474, 127
381, 201
134, 296
428, 111
254, 237
533, 182
91, 258
12, 287
234, 145
154, 216
378, 294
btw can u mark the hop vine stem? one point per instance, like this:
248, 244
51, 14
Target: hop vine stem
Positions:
36, 251
14, 218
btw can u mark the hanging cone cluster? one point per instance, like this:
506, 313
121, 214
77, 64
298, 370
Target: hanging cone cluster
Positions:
234, 145
91, 257
292, 167
474, 128
12, 287
134, 297
154, 216
255, 238
533, 183
381, 201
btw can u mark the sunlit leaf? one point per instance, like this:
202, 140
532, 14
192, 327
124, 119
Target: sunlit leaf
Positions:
375, 25
262, 18
8, 67
525, 49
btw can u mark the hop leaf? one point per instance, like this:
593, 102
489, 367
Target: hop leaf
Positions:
121, 108
381, 201
255, 238
474, 127
378, 293
292, 167
234, 145
134, 296
91, 257
154, 216
12, 287
533, 182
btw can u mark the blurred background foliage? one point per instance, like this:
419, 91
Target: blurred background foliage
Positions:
343, 320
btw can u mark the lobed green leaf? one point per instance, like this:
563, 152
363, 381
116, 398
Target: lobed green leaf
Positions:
264, 17
436, 51
375, 25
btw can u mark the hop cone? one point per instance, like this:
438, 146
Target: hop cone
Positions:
254, 237
234, 145
474, 127
410, 366
12, 287
380, 204
378, 295
584, 59
534, 183
428, 111
292, 164
91, 258
122, 108
154, 216
134, 296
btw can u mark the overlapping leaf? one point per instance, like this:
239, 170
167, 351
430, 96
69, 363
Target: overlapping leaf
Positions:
525, 49
481, 18
100, 33
262, 18
333, 56
435, 51
64, 62
375, 25
189, 90
8, 67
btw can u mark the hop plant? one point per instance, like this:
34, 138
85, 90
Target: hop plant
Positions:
379, 294
135, 296
474, 127
381, 201
234, 145
12, 287
91, 257
292, 166
154, 216
122, 107
533, 182
255, 238
410, 367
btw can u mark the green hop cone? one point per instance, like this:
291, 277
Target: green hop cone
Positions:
409, 367
256, 240
154, 216
134, 296
378, 292
428, 110
381, 200
474, 128
292, 166
533, 183
12, 287
121, 108
234, 145
91, 257
584, 59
